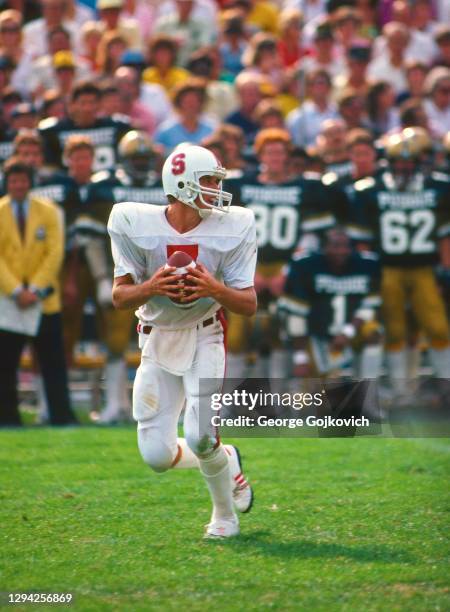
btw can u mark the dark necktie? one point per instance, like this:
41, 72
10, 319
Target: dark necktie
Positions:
21, 220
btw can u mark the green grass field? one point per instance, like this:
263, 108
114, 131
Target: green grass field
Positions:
343, 524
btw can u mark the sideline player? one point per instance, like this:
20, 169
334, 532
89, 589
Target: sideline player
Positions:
104, 132
405, 213
183, 354
135, 179
290, 213
331, 300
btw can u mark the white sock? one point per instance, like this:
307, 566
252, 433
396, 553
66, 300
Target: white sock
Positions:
216, 470
236, 365
397, 370
440, 362
41, 397
115, 377
370, 361
187, 459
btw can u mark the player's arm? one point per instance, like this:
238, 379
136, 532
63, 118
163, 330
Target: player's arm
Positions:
128, 294
236, 293
204, 284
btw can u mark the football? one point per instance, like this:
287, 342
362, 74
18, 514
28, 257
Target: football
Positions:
182, 262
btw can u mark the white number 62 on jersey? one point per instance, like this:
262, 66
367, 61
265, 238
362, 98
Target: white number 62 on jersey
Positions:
407, 231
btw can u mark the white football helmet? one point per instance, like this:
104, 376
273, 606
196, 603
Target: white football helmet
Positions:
181, 175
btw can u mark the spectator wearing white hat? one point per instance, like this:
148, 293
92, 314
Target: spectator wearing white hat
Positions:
110, 13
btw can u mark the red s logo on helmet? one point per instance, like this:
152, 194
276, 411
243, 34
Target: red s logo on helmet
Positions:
178, 164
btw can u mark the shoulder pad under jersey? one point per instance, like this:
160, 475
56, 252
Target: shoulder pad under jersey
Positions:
48, 122
329, 178
311, 176
365, 183
301, 255
119, 117
440, 176
101, 175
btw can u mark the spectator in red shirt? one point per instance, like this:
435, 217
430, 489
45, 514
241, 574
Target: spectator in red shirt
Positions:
289, 45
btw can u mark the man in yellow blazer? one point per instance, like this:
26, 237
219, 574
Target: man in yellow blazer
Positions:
31, 253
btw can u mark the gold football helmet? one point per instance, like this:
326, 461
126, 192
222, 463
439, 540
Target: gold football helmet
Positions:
137, 154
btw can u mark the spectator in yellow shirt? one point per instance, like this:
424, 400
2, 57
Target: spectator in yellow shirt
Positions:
162, 57
264, 16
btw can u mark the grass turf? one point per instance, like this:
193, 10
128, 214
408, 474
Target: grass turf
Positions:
343, 524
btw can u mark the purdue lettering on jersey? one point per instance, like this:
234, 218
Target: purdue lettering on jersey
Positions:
62, 190
147, 195
404, 225
108, 188
282, 213
330, 300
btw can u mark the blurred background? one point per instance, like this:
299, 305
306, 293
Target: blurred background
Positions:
333, 121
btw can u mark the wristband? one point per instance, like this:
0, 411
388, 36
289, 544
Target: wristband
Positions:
349, 330
300, 358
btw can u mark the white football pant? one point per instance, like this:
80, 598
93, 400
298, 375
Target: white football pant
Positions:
159, 397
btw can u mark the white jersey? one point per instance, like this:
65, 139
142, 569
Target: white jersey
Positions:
142, 240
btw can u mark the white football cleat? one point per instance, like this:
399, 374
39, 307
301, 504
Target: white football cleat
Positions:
222, 528
240, 488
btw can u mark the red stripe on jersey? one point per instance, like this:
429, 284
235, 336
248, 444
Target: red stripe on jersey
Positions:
190, 249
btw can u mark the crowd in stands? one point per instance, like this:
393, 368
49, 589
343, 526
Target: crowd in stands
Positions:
323, 74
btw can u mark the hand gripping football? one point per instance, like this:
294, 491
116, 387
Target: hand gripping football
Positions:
183, 262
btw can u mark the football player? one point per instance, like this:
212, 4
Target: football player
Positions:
286, 210
104, 132
183, 354
405, 213
363, 160
331, 301
136, 179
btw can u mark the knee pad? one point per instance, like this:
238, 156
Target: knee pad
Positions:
146, 403
154, 451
